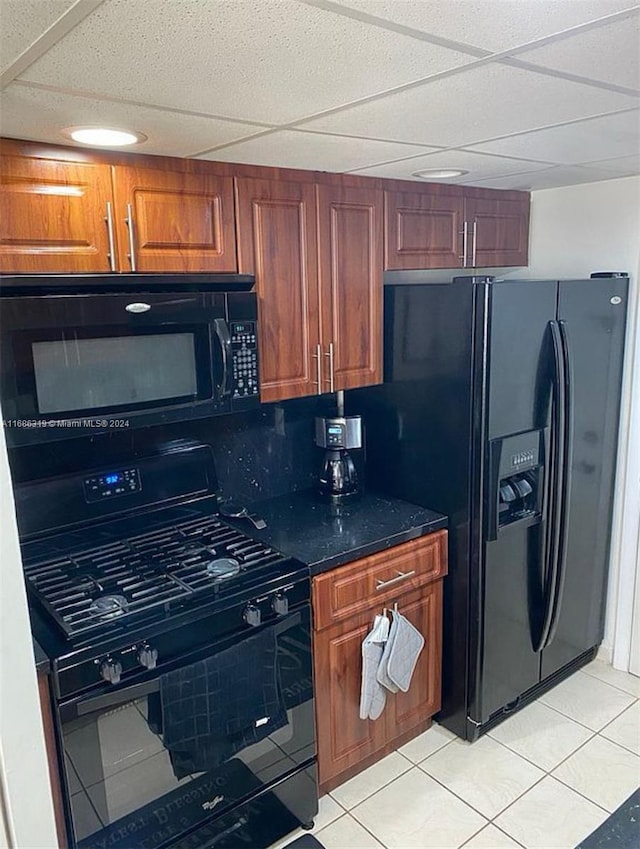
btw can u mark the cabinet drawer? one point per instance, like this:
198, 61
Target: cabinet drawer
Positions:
378, 578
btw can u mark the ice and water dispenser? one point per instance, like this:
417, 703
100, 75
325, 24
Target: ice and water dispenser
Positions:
515, 480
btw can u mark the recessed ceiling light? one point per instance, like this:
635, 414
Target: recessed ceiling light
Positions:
439, 173
103, 136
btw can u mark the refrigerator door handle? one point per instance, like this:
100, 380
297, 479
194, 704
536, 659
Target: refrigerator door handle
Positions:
555, 464
566, 484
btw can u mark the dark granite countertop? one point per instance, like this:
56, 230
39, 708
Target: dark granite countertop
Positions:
323, 537
42, 661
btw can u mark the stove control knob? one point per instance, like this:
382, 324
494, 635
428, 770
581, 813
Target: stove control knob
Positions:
148, 657
280, 604
252, 615
111, 670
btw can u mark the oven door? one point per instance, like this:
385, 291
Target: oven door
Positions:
149, 763
70, 362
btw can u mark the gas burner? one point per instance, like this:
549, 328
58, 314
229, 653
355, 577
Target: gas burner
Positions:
223, 567
109, 606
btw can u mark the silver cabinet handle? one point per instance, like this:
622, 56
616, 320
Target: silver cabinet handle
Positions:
331, 372
132, 253
317, 357
112, 245
474, 242
465, 244
401, 576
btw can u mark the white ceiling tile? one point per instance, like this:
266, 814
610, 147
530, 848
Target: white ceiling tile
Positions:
479, 167
473, 105
23, 21
621, 165
494, 25
610, 54
559, 175
269, 61
291, 149
584, 141
40, 115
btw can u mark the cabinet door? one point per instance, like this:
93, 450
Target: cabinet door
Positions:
405, 711
498, 232
53, 215
277, 243
343, 738
178, 222
350, 274
424, 229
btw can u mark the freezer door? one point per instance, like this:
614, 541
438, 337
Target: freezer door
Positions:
592, 314
519, 314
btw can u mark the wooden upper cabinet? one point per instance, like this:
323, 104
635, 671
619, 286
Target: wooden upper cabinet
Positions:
53, 215
455, 227
174, 222
498, 231
277, 243
424, 229
350, 234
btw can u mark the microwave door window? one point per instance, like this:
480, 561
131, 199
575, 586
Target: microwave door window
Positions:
113, 372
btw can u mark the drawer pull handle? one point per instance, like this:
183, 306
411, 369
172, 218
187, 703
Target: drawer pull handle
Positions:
401, 576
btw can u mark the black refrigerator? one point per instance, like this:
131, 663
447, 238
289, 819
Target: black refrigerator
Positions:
500, 407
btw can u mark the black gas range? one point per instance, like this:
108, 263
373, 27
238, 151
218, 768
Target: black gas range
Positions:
180, 650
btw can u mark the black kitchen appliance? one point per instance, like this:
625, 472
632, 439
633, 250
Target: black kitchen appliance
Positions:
181, 658
87, 354
500, 408
340, 476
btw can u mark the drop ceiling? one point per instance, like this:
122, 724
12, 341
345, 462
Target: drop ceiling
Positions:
521, 94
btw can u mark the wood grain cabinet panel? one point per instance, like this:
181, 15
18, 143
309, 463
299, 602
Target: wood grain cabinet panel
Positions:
277, 242
346, 743
378, 578
344, 739
424, 230
174, 222
407, 710
499, 231
455, 227
350, 249
52, 757
53, 215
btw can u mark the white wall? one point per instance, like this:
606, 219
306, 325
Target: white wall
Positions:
574, 231
26, 808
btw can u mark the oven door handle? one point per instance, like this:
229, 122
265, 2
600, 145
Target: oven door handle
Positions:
114, 698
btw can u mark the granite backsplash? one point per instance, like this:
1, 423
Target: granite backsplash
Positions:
262, 454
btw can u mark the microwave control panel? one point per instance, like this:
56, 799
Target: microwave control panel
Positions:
111, 484
244, 348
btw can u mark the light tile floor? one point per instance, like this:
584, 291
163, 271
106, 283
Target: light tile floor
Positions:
543, 779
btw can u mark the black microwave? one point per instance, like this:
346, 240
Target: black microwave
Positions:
88, 355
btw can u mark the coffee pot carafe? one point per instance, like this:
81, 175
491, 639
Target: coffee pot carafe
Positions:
339, 478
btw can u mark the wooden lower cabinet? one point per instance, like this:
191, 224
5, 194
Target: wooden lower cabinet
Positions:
346, 743
52, 757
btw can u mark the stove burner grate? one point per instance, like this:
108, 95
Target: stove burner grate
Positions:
88, 589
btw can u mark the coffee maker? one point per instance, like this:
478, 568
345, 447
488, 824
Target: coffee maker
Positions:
340, 477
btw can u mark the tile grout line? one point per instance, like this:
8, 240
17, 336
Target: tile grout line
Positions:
382, 786
573, 719
591, 675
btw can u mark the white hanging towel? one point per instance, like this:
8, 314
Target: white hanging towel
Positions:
372, 696
400, 654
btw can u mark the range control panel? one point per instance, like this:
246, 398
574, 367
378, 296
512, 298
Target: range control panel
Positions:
244, 350
111, 484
